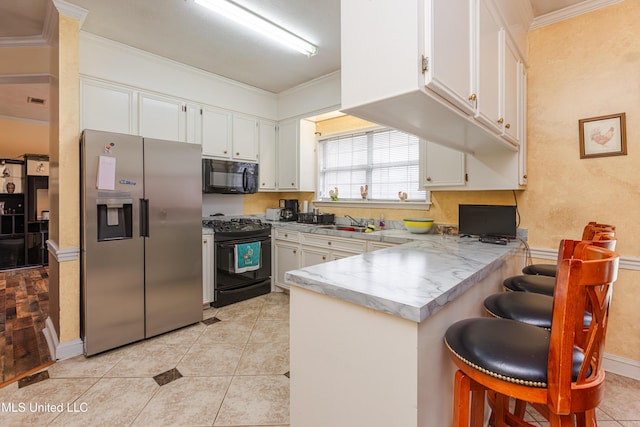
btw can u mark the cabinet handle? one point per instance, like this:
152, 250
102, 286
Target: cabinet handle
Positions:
295, 251
324, 258
237, 154
501, 120
524, 176
429, 179
263, 183
473, 97
293, 184
329, 243
286, 235
508, 126
225, 151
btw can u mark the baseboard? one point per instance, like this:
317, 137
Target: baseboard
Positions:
626, 262
621, 366
61, 351
70, 349
51, 337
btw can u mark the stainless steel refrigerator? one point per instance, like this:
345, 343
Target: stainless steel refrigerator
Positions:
141, 230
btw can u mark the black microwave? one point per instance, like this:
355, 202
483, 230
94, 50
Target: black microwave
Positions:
223, 176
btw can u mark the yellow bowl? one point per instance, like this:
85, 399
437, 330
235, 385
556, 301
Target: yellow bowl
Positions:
418, 225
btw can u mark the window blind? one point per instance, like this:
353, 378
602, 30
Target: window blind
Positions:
385, 160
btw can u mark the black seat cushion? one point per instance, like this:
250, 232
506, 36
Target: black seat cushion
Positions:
541, 269
505, 349
529, 283
526, 307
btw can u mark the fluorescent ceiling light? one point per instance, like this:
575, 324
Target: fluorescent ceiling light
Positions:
257, 23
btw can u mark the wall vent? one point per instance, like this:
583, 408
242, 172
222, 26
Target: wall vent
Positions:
32, 100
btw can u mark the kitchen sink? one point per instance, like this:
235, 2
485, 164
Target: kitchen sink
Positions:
352, 228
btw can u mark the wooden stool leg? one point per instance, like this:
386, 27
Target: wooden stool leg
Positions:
520, 408
461, 391
477, 404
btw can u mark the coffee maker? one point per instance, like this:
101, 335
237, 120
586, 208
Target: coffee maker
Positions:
289, 210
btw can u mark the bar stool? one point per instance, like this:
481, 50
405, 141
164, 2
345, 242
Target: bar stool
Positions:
588, 233
554, 371
540, 284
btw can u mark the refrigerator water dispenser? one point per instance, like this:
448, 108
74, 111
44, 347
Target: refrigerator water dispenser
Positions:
114, 219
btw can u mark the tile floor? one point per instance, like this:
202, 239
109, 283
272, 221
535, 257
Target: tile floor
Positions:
231, 372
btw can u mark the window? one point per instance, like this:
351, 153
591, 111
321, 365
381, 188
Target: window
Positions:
385, 160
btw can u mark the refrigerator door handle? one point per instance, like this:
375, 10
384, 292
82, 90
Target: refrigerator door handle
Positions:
144, 217
245, 180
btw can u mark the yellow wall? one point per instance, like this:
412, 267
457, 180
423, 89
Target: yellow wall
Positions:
580, 68
64, 176
18, 138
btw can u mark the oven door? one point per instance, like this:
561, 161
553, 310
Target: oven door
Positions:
226, 278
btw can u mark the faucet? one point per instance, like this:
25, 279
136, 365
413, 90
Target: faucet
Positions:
355, 221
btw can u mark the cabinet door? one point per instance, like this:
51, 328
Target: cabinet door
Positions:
216, 132
162, 118
448, 51
267, 155
107, 107
511, 97
441, 166
490, 40
287, 257
245, 138
522, 115
311, 256
207, 268
194, 124
287, 164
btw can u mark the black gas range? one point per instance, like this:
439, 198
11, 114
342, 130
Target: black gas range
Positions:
233, 236
234, 228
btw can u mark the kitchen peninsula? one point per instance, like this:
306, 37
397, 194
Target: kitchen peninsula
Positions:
366, 331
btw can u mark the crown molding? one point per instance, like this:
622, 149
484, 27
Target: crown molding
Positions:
54, 8
571, 12
71, 10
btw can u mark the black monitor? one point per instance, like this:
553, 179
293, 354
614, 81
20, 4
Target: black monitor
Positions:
487, 220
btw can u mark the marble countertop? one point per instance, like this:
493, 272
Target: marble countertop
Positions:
412, 280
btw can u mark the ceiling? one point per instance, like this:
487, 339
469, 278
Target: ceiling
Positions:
185, 32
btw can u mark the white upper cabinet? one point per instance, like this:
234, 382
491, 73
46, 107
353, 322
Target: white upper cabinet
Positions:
267, 144
489, 75
163, 118
296, 156
441, 166
216, 132
440, 70
245, 138
447, 74
513, 98
107, 107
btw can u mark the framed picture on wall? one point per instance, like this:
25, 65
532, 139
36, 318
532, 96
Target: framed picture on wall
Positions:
603, 136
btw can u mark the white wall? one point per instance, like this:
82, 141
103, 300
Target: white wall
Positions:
310, 98
115, 62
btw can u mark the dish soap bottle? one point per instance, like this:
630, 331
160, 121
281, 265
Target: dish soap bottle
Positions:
381, 223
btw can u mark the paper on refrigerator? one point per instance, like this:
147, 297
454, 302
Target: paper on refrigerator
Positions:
106, 173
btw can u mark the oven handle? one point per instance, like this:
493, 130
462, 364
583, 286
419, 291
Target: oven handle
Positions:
232, 243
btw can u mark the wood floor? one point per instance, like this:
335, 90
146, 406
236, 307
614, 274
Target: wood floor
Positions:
24, 307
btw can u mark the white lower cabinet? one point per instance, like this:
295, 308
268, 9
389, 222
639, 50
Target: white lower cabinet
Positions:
374, 246
207, 268
293, 250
